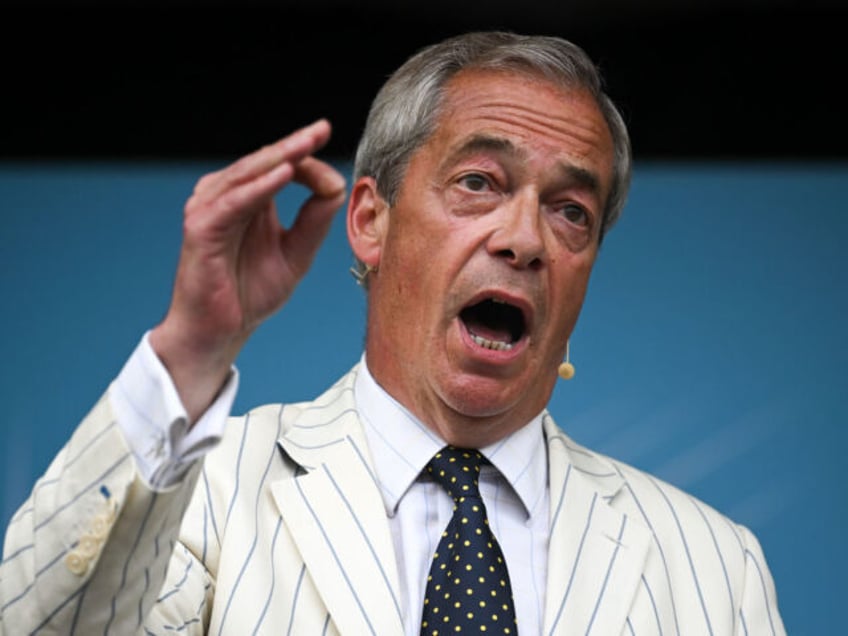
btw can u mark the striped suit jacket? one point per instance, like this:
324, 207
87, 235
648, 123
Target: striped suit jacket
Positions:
281, 530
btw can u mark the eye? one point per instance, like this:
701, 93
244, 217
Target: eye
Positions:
575, 214
475, 182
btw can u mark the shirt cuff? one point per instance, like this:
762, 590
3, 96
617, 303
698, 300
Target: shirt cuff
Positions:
154, 421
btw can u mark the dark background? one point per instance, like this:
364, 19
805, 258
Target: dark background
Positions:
714, 80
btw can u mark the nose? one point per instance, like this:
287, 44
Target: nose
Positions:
518, 237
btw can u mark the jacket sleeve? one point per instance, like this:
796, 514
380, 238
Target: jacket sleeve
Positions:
90, 550
758, 612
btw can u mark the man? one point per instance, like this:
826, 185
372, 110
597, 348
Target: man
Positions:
490, 168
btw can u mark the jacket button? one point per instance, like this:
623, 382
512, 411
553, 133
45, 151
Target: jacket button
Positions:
88, 546
100, 526
76, 563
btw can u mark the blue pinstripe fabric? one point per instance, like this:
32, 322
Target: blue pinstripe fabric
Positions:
175, 560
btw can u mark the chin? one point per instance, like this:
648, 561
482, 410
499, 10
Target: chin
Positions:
479, 397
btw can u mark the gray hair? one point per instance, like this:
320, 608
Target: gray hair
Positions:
405, 111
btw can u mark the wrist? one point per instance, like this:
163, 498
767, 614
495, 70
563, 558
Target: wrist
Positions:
199, 367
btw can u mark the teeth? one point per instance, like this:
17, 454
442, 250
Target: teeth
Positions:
498, 301
495, 345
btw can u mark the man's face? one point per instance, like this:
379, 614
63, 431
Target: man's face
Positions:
486, 254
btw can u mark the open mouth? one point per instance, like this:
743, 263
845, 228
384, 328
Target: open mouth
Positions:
494, 324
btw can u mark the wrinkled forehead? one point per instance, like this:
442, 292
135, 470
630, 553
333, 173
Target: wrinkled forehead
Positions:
523, 113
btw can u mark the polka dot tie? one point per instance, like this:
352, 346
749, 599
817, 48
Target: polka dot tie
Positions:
468, 590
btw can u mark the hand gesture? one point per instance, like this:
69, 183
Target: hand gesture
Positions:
237, 263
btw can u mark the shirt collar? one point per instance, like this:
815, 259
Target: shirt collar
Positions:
401, 445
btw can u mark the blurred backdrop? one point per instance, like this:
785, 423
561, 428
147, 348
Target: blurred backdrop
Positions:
711, 348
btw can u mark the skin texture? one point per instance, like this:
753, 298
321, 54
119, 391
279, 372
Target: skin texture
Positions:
503, 201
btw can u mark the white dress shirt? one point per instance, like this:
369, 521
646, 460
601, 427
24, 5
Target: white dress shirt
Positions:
154, 421
514, 488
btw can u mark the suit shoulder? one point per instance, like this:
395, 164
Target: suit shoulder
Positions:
701, 558
262, 426
667, 510
646, 486
677, 517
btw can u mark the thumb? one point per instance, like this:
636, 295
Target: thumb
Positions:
301, 242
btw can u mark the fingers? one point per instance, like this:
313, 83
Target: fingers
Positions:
320, 177
313, 220
228, 198
269, 159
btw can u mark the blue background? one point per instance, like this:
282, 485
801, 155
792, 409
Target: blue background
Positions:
711, 350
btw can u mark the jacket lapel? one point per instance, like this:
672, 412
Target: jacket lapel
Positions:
334, 512
596, 554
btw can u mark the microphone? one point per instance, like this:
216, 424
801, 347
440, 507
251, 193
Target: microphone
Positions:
566, 369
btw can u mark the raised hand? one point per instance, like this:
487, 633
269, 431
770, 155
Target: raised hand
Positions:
237, 263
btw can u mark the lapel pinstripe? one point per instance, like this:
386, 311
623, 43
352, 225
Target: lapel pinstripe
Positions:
596, 554
334, 512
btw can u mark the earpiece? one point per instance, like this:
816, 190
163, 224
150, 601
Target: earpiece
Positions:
360, 273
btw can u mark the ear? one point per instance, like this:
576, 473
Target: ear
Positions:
367, 221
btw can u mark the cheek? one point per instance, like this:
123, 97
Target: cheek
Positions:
401, 246
571, 286
409, 272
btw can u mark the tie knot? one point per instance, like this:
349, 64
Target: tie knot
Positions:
457, 470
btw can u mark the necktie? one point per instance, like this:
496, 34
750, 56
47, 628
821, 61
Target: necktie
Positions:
468, 588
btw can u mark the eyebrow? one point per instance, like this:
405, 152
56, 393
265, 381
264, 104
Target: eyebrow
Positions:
584, 178
481, 142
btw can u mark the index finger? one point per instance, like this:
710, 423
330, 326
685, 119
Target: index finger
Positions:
292, 148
